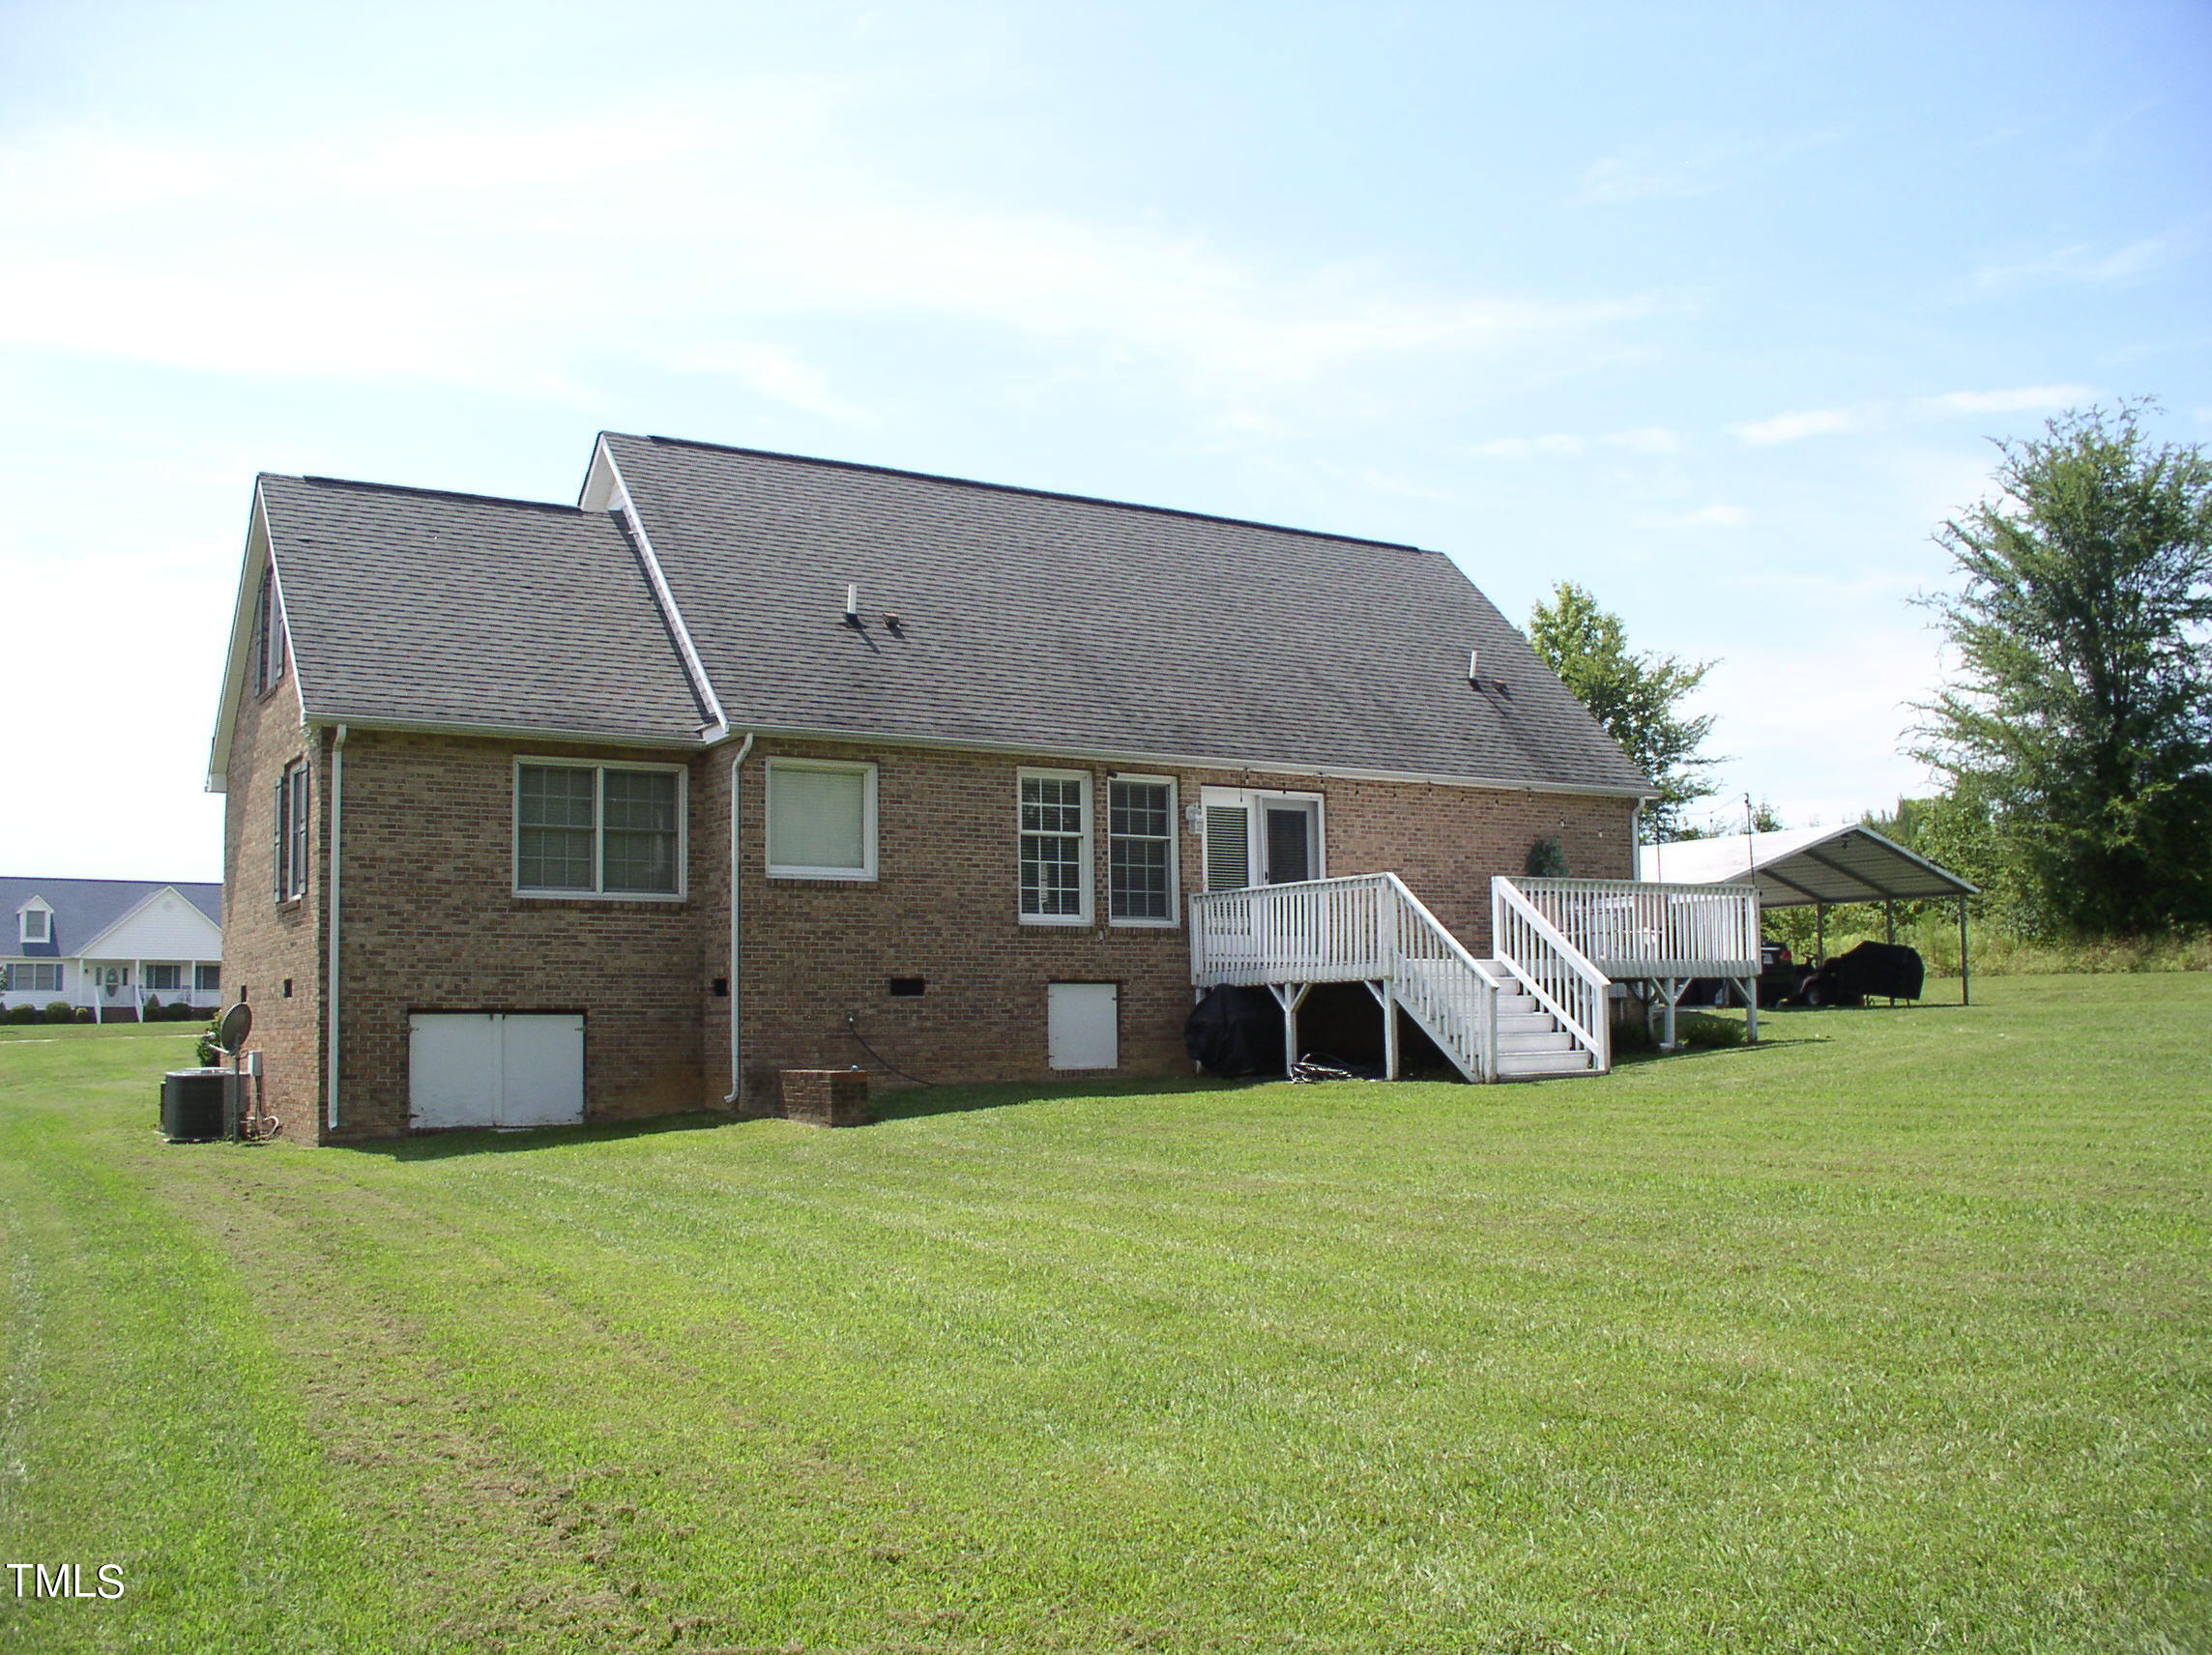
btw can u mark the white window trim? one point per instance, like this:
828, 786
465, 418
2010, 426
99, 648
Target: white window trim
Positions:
799, 870
1087, 855
40, 912
1255, 800
681, 772
1174, 853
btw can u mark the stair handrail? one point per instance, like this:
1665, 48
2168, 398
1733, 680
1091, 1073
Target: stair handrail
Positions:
1592, 1028
1488, 987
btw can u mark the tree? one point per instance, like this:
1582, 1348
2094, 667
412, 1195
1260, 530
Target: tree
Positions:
2079, 715
1637, 699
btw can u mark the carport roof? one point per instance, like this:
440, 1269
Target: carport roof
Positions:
1804, 866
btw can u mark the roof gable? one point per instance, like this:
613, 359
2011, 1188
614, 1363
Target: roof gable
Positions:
84, 908
1056, 623
413, 607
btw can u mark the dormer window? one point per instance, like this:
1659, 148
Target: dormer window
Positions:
36, 923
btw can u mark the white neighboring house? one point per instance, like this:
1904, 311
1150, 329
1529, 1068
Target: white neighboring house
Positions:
110, 944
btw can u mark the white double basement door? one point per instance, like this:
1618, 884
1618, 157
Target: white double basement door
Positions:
495, 1069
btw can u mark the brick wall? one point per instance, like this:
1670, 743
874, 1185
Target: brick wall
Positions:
943, 908
430, 922
267, 942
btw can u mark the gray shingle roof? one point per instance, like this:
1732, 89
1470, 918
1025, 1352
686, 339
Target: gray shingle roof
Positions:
1056, 623
407, 604
84, 908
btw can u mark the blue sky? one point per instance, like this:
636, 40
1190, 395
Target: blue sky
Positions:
1710, 310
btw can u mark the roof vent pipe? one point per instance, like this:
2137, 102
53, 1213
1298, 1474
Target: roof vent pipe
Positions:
852, 604
1474, 663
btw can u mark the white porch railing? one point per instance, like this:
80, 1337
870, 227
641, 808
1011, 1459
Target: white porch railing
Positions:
1632, 930
1565, 980
1368, 928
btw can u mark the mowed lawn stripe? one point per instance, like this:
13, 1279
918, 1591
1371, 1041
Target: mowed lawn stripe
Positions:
1889, 1334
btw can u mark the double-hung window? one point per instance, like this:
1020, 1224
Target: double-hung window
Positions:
290, 832
163, 978
29, 976
583, 830
207, 979
1141, 851
821, 818
1055, 857
36, 925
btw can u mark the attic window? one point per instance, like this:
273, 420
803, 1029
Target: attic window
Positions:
268, 634
38, 925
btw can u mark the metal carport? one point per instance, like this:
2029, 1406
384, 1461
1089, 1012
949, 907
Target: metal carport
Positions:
1816, 867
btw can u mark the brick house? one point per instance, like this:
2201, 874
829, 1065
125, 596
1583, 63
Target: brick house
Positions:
748, 763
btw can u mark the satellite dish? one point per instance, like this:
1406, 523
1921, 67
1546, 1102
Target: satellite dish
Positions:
237, 1024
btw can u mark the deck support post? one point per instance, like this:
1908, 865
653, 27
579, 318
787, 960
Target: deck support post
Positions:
1382, 993
1670, 991
1290, 997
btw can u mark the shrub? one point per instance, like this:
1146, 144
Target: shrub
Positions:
60, 1011
211, 1054
85, 1014
26, 1013
1546, 860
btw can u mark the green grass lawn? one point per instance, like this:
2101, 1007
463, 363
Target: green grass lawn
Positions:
1890, 1334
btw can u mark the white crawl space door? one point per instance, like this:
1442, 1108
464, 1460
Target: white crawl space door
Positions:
1082, 1025
495, 1069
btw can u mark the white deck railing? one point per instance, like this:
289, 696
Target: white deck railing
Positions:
1630, 929
1542, 958
1368, 928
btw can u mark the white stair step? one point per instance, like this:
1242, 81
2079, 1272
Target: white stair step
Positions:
1519, 1045
1515, 1065
1525, 1022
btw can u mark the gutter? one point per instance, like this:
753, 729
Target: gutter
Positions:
331, 984
737, 949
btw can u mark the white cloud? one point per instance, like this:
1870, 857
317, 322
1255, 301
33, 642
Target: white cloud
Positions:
1869, 415
1715, 516
1558, 444
1644, 440
2027, 398
2083, 263
1647, 440
1810, 423
513, 256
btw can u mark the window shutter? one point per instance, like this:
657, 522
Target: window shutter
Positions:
1228, 847
277, 835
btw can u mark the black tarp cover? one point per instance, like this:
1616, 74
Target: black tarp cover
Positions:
1235, 1031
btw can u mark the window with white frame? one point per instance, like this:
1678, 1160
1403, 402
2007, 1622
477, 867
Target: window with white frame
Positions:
1141, 851
163, 978
207, 979
821, 818
1055, 860
36, 925
586, 829
34, 977
289, 832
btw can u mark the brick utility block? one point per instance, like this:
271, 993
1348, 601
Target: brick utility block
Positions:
826, 1098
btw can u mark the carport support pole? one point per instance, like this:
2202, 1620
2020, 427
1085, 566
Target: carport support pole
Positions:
1966, 982
1890, 908
1819, 933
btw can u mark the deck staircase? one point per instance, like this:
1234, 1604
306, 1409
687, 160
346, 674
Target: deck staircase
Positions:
1531, 1042
1536, 1008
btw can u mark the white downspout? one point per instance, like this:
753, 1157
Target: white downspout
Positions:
736, 878
330, 978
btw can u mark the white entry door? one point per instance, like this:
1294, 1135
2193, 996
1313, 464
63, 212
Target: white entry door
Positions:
1083, 1026
495, 1069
